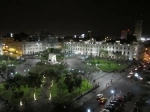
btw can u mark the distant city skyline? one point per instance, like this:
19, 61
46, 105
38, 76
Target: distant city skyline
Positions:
72, 17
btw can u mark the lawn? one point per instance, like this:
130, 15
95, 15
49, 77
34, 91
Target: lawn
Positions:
70, 96
106, 65
60, 57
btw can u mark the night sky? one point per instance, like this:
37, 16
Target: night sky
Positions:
69, 17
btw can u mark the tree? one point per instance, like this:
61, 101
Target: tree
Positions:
61, 86
18, 80
103, 53
69, 81
6, 86
34, 80
4, 67
78, 82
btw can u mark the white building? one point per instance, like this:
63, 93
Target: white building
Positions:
1, 48
130, 51
33, 47
23, 48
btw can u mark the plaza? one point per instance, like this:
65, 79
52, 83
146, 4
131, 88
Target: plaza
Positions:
93, 70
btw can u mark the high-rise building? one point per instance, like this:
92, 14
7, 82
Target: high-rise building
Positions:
89, 34
125, 33
138, 29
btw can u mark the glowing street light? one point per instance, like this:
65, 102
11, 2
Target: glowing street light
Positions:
88, 110
112, 91
21, 103
34, 97
50, 96
52, 84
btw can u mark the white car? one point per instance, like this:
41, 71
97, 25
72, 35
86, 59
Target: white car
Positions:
129, 76
148, 82
137, 76
104, 110
98, 96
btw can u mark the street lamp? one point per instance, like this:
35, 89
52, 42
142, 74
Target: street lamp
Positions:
112, 91
88, 110
34, 97
50, 96
21, 103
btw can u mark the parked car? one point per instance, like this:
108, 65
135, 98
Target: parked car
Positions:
135, 109
98, 96
130, 94
104, 110
110, 108
115, 102
102, 100
126, 98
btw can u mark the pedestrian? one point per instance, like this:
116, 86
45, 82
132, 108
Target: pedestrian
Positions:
111, 81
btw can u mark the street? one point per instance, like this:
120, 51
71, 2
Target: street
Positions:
120, 84
25, 67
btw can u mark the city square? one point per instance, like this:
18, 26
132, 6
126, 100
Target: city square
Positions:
74, 56
111, 79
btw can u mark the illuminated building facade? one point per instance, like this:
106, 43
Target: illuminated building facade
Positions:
7, 40
13, 48
17, 49
91, 47
33, 47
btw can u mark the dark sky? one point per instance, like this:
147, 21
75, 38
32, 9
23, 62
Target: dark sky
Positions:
69, 17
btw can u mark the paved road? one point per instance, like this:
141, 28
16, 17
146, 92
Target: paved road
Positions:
122, 84
25, 67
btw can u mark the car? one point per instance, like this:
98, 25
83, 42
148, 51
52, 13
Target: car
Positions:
130, 74
118, 100
102, 100
98, 96
126, 98
138, 77
110, 108
135, 109
136, 69
104, 110
115, 102
130, 94
137, 103
119, 97
111, 105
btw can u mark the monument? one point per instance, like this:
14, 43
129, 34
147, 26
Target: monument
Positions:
52, 57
